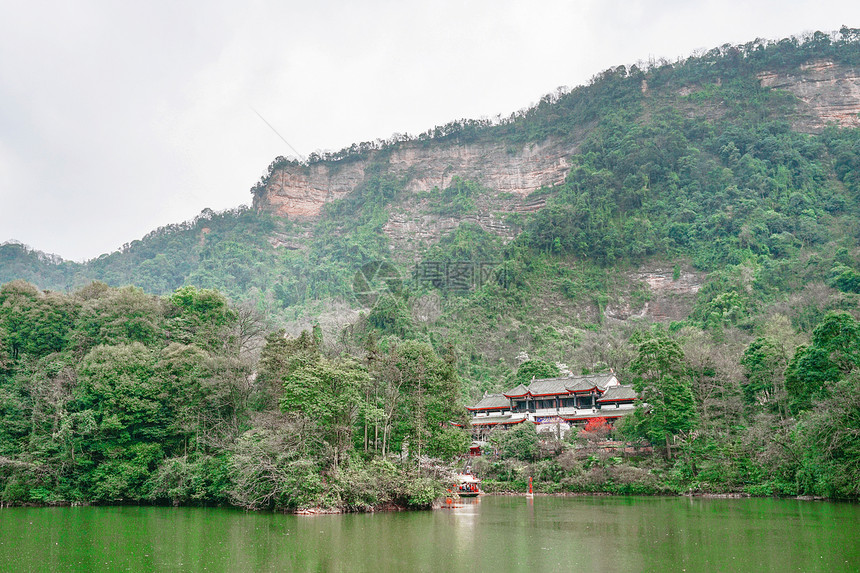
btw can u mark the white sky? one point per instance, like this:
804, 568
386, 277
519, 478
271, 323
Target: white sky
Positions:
119, 117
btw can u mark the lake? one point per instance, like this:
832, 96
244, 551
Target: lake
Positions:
492, 533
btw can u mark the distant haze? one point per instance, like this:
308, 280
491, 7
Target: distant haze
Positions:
117, 118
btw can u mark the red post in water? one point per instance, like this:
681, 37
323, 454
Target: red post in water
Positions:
530, 486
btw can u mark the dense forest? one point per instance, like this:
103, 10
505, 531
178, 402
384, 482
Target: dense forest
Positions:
113, 395
183, 388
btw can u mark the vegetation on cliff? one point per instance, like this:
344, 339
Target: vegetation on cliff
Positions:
691, 166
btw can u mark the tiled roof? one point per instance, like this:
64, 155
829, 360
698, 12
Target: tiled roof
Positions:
585, 385
604, 379
548, 386
565, 385
517, 392
618, 393
492, 402
589, 381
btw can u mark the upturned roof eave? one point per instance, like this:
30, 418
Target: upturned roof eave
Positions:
589, 390
496, 422
519, 391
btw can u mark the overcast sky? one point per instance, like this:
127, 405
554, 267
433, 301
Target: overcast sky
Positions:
119, 117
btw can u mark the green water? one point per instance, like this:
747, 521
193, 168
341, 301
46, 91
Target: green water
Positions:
495, 534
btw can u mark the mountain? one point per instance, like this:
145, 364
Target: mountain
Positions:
827, 93
690, 227
709, 192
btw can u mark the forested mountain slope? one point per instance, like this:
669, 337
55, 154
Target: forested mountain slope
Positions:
701, 190
692, 226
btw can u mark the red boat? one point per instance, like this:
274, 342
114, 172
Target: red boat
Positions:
467, 485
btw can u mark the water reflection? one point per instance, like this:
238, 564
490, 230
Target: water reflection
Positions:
488, 533
466, 523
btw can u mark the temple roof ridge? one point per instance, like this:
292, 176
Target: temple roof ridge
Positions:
517, 392
564, 385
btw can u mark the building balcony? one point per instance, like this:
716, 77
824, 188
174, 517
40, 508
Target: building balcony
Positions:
576, 412
569, 411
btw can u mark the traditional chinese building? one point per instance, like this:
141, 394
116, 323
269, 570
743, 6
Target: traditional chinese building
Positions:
554, 404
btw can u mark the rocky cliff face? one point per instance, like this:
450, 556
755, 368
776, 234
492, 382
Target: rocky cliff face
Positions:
668, 298
828, 93
298, 192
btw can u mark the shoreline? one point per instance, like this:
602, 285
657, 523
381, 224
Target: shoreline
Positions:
390, 508
381, 508
703, 495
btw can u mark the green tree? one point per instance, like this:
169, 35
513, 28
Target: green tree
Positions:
448, 442
519, 442
834, 352
829, 442
119, 391
5, 355
667, 407
187, 372
117, 316
36, 323
845, 279
330, 394
764, 362
535, 368
202, 317
419, 394
390, 315
280, 357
